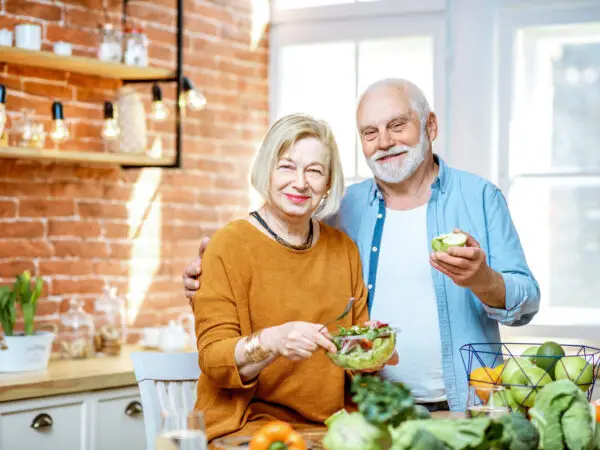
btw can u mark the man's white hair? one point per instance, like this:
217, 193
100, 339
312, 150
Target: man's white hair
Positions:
417, 99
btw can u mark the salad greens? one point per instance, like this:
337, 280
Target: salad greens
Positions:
363, 347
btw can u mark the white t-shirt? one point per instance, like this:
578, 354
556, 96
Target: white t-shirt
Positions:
405, 297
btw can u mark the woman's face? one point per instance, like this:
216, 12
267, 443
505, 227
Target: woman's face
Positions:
300, 178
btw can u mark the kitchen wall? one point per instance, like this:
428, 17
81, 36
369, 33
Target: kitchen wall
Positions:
82, 227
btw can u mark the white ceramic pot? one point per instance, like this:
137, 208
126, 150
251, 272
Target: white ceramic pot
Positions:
26, 353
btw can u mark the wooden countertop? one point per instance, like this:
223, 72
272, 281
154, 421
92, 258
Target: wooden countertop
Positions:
68, 377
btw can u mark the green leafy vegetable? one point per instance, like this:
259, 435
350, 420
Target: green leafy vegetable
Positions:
27, 297
384, 403
518, 433
354, 432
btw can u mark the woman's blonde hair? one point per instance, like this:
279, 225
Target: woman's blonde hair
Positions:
282, 135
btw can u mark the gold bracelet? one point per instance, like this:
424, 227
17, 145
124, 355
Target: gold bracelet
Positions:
255, 352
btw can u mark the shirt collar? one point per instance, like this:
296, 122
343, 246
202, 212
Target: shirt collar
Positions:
440, 182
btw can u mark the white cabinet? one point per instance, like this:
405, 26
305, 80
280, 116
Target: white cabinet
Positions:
56, 425
119, 423
99, 420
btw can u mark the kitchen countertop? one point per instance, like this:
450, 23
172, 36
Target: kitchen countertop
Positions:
68, 377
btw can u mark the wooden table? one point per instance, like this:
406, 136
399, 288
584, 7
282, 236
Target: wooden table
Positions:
68, 377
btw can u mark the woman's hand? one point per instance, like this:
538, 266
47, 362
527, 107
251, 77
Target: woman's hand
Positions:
296, 340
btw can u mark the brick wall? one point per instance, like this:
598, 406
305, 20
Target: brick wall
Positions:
82, 227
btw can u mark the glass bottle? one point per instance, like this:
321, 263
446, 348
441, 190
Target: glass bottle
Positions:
110, 48
76, 332
110, 323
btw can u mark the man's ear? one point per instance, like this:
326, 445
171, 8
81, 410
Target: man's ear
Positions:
432, 126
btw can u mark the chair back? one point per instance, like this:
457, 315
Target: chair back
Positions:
167, 381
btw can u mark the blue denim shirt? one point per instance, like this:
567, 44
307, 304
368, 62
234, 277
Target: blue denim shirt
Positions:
458, 200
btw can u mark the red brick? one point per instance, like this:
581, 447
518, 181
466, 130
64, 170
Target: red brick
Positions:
46, 208
76, 267
80, 286
111, 267
188, 213
41, 105
104, 210
51, 13
94, 95
195, 24
89, 81
12, 84
13, 268
161, 52
181, 232
24, 189
25, 249
21, 229
8, 208
85, 18
70, 228
87, 130
37, 72
116, 230
210, 12
74, 189
74, 36
148, 13
45, 307
189, 179
54, 91
120, 251
80, 249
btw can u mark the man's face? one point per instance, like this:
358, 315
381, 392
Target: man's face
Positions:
394, 142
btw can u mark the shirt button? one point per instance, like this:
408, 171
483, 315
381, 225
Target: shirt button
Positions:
370, 286
374, 249
379, 216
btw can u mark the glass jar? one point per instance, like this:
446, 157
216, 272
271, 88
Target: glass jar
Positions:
136, 47
110, 323
29, 133
110, 48
76, 332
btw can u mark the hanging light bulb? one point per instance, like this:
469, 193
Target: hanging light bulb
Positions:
159, 111
59, 132
191, 97
110, 129
2, 110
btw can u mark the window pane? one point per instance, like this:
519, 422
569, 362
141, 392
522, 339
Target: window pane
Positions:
559, 224
320, 79
557, 100
398, 57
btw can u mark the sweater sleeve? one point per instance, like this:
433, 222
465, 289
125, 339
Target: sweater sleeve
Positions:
224, 282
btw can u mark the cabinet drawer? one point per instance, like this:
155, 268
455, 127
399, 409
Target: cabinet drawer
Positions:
55, 427
119, 423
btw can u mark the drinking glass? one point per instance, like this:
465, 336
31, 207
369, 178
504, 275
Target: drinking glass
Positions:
181, 430
487, 401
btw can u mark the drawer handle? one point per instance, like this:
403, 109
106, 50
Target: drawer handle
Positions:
134, 409
42, 421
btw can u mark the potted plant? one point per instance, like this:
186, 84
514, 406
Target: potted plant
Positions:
29, 350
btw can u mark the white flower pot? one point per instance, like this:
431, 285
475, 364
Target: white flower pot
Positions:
26, 353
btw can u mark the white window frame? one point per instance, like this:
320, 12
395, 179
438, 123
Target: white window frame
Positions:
515, 15
365, 20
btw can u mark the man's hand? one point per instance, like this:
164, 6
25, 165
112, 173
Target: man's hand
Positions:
467, 267
192, 272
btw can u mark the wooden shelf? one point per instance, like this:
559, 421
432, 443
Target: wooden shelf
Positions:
83, 157
79, 64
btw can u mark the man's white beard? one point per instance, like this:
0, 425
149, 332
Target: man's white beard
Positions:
398, 171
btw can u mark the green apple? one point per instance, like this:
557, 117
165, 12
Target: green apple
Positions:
575, 368
530, 353
547, 356
506, 398
443, 242
532, 379
513, 370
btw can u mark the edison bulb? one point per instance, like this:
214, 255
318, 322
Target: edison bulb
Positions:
60, 132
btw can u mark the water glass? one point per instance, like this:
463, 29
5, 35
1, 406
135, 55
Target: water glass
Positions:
181, 430
487, 400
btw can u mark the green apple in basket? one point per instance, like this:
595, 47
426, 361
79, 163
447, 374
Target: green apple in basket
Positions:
443, 242
364, 347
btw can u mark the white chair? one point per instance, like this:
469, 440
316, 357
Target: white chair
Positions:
167, 381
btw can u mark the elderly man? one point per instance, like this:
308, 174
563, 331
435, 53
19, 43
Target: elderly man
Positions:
440, 301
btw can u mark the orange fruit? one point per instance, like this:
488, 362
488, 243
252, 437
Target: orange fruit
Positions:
498, 372
483, 377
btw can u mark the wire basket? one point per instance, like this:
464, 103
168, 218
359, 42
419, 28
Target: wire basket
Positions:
523, 373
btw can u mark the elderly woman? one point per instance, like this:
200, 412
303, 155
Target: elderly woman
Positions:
268, 284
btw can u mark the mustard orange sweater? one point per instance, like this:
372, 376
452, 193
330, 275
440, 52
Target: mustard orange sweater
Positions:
250, 282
